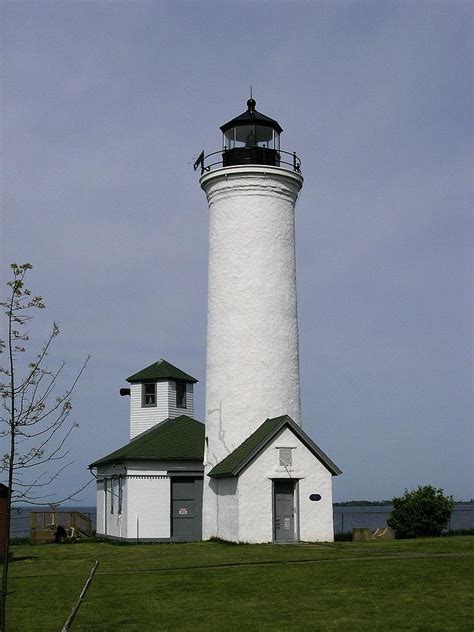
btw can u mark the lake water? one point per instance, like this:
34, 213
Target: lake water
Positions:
345, 518
348, 518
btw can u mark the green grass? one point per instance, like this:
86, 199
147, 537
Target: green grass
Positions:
346, 586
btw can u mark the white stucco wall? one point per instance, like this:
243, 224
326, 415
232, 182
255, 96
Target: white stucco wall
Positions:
227, 509
252, 335
313, 519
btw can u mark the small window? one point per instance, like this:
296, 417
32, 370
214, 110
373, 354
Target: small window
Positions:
181, 394
120, 495
148, 394
285, 457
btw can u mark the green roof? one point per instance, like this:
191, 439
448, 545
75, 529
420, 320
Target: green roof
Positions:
237, 460
161, 370
179, 438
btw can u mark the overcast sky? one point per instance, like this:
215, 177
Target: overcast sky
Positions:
105, 107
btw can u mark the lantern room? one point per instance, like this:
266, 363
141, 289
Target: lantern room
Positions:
251, 139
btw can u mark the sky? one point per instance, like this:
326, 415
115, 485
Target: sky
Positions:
105, 107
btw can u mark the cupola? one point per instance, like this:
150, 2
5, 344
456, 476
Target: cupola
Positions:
251, 139
158, 392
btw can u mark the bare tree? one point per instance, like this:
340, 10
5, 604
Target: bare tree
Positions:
35, 418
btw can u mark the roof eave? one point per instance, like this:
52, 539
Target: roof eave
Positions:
241, 466
132, 380
174, 373
97, 464
246, 118
143, 458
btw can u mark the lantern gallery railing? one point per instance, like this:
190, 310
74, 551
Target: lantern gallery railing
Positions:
248, 156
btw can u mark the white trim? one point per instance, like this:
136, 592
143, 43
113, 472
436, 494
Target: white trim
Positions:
253, 169
109, 478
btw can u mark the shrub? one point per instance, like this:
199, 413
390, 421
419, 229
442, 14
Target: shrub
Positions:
424, 511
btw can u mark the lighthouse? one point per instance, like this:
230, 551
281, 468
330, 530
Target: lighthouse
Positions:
250, 473
264, 478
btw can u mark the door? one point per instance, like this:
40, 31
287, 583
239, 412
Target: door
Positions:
284, 510
186, 509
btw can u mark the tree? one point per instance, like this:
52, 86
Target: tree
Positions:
424, 511
35, 418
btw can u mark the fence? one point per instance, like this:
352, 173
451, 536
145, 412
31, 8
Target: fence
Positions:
43, 524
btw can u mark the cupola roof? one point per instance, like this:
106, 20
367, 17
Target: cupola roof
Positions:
252, 117
161, 370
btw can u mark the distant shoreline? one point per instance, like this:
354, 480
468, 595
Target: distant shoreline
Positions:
384, 503
346, 515
344, 503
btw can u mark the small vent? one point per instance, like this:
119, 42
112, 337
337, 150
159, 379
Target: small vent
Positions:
285, 457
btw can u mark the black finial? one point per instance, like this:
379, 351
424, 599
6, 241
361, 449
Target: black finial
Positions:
251, 103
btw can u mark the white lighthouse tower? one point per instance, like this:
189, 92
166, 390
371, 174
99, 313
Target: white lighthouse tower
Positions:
256, 455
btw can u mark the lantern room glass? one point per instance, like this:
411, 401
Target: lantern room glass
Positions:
248, 136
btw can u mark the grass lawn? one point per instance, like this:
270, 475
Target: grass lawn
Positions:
401, 585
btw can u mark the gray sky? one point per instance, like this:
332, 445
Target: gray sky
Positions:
105, 107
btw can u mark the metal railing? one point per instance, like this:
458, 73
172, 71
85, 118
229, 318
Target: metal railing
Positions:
289, 161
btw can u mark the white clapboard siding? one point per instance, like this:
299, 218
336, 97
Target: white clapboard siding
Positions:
148, 507
142, 419
100, 517
174, 411
109, 521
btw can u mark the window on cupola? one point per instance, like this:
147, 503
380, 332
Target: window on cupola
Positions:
181, 394
148, 394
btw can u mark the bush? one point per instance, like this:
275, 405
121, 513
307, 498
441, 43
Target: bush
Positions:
424, 511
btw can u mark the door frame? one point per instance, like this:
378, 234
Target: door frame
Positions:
296, 504
197, 518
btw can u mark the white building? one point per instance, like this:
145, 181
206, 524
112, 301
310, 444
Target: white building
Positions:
151, 488
264, 479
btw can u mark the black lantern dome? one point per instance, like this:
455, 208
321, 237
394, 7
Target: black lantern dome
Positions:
251, 139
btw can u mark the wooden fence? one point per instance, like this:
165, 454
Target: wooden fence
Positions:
43, 525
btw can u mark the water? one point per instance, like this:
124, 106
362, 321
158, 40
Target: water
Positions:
345, 518
348, 518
